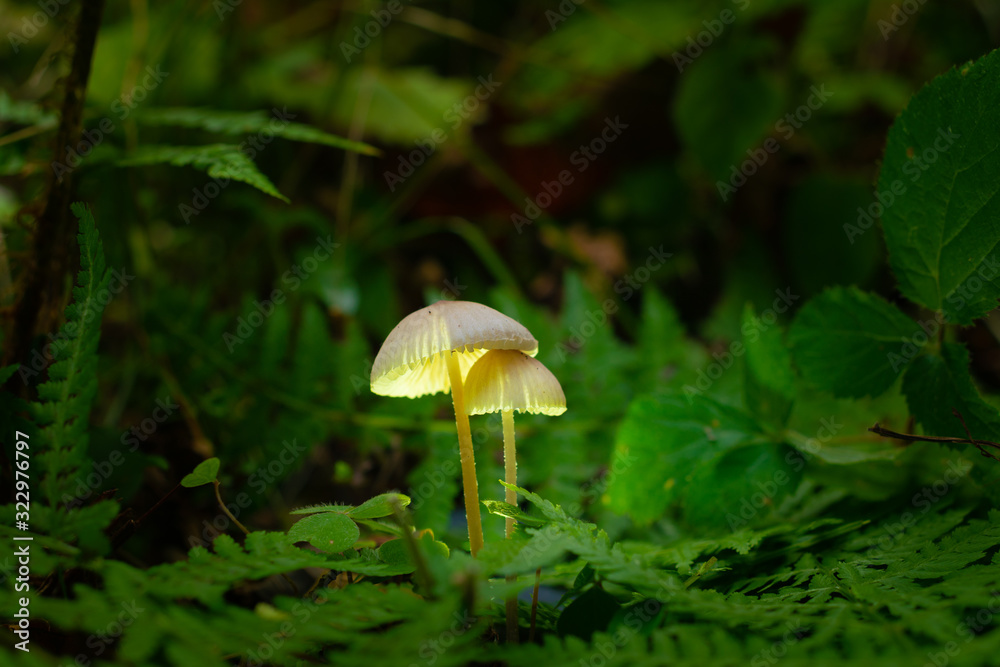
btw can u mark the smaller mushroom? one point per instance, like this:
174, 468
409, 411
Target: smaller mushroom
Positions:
504, 381
430, 351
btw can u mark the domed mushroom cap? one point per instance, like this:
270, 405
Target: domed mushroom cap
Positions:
411, 361
509, 380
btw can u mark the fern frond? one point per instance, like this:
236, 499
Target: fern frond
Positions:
64, 401
249, 122
222, 161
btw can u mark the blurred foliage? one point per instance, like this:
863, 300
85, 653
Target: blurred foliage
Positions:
741, 231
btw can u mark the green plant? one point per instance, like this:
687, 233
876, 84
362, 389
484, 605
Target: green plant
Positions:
781, 448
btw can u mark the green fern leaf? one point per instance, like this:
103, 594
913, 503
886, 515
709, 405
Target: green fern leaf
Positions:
249, 122
64, 401
222, 161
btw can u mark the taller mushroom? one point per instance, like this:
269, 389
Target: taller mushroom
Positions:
431, 351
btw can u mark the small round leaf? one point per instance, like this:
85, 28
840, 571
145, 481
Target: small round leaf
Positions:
205, 473
327, 531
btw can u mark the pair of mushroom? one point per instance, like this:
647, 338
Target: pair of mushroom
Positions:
485, 359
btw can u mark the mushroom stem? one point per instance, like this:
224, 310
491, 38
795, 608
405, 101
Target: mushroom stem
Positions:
469, 483
509, 463
510, 473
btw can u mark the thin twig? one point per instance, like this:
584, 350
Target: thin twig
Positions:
159, 502
534, 604
979, 444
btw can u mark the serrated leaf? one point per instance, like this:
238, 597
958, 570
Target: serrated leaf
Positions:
249, 122
328, 531
205, 472
740, 487
219, 161
768, 382
850, 342
664, 440
941, 170
936, 384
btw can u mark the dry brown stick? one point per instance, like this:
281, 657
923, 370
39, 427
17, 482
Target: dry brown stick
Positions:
42, 283
979, 444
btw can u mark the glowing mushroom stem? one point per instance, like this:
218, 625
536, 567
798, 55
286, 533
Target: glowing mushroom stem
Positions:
509, 464
468, 457
504, 381
510, 475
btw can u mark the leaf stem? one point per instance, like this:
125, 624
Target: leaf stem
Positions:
215, 483
534, 604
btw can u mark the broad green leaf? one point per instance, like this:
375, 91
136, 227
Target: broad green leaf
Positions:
935, 385
664, 440
378, 506
851, 343
219, 161
741, 487
662, 343
396, 554
818, 252
723, 79
205, 472
939, 184
277, 123
768, 381
404, 105
328, 531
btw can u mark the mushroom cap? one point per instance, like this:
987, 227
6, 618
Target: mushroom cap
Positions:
412, 359
509, 380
